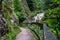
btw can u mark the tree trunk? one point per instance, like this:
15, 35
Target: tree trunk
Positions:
26, 8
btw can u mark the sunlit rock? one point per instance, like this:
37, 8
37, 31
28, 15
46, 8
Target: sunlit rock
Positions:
12, 21
38, 17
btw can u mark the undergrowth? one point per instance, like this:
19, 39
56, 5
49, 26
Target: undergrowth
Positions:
12, 34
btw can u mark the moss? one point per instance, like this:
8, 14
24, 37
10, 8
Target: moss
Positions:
13, 31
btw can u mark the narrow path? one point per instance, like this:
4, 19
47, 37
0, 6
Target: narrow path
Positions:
25, 34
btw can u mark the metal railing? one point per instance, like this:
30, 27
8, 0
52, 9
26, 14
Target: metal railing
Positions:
47, 34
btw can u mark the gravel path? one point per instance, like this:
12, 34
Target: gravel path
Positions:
25, 34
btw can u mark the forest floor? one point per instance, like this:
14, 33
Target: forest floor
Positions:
25, 34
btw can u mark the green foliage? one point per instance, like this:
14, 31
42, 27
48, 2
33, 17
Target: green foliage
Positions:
50, 7
38, 30
12, 34
39, 4
57, 1
17, 8
51, 21
53, 16
21, 17
6, 12
12, 30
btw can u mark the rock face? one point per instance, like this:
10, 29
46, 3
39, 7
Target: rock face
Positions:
3, 25
25, 35
38, 17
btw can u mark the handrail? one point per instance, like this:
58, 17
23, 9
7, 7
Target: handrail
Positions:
48, 35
